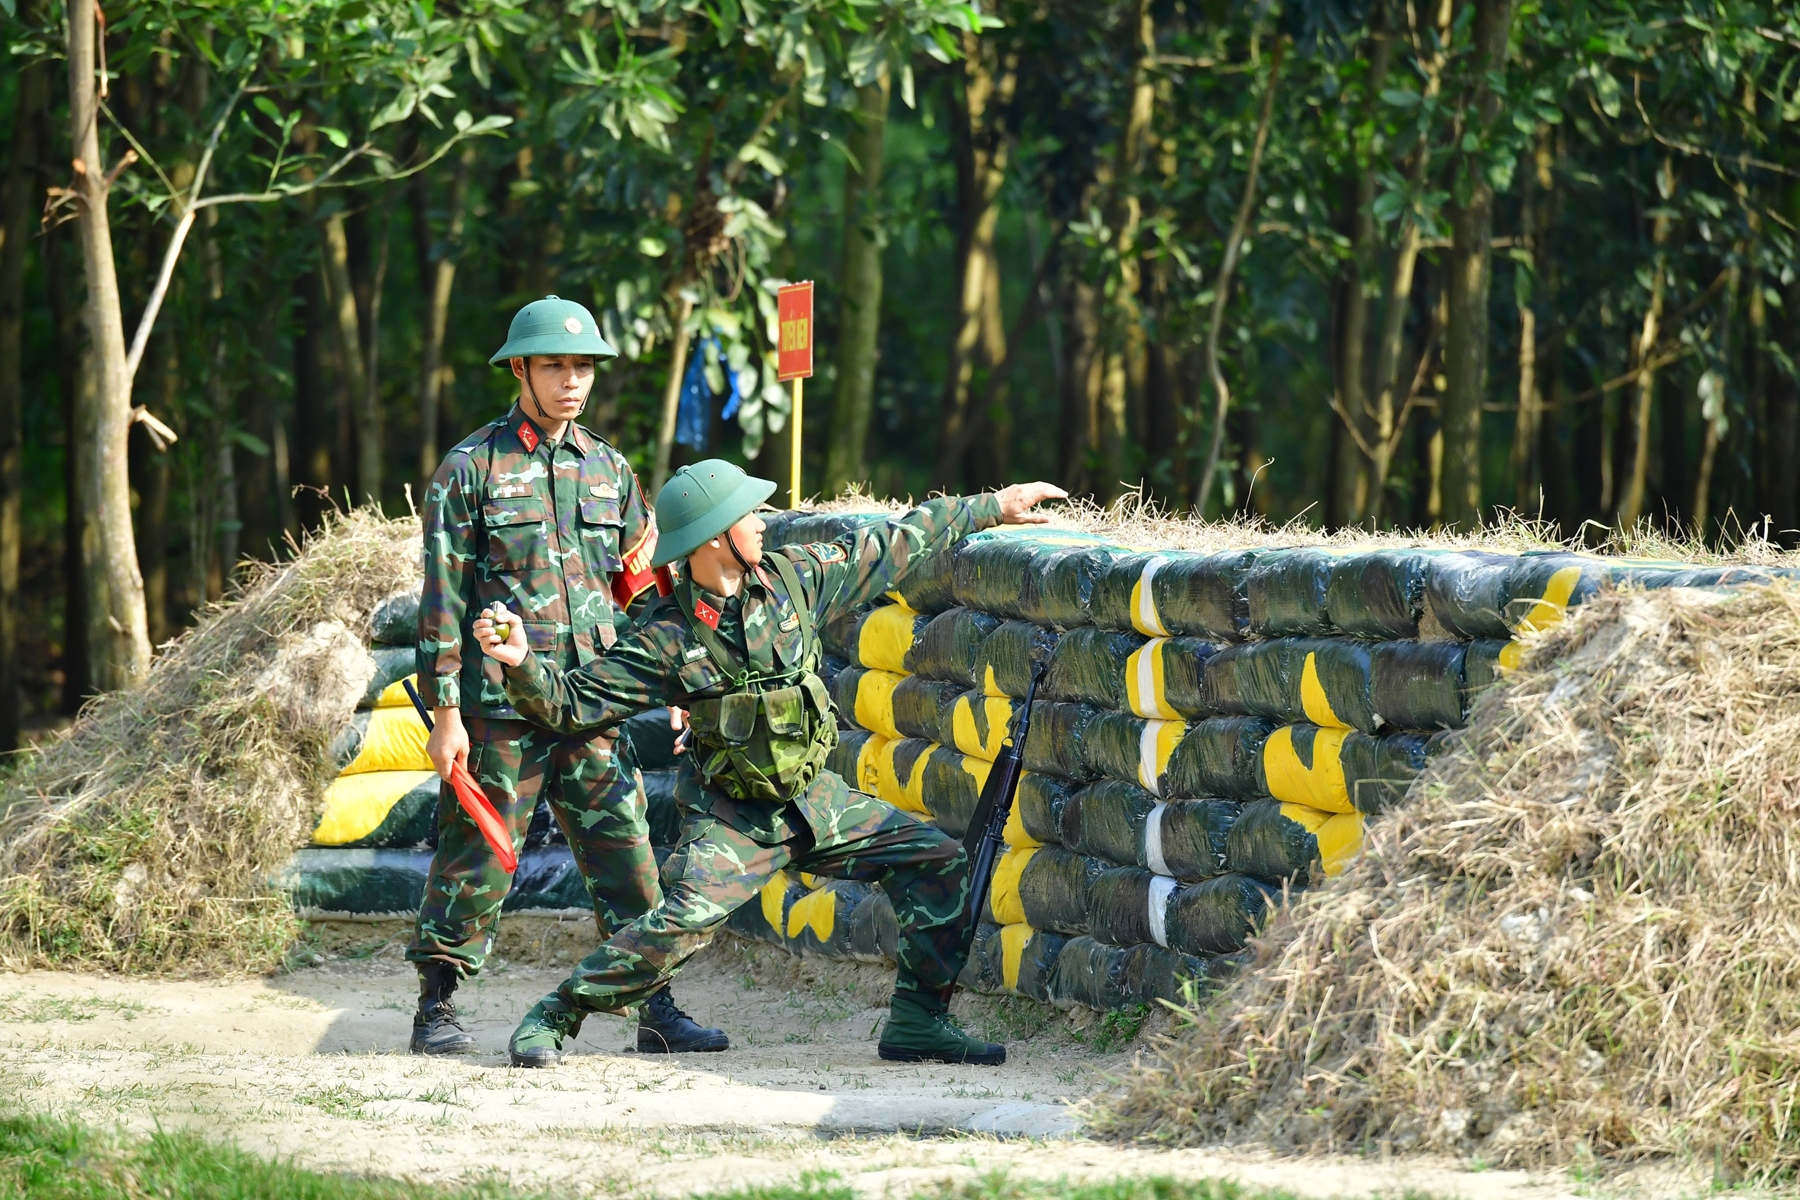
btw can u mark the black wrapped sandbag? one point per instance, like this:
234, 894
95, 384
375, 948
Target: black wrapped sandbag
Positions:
830, 667
1417, 685
395, 621
347, 743
1186, 839
1286, 590
1106, 820
978, 724
851, 758
822, 922
1220, 756
1053, 888
1275, 842
1323, 680
1180, 979
1054, 745
896, 769
922, 707
838, 635
1541, 588
952, 787
1167, 678
800, 528
948, 647
1218, 915
1043, 577
1040, 803
392, 664
866, 698
1378, 770
1065, 585
981, 971
1120, 902
930, 587
1092, 975
1172, 592
1487, 660
379, 810
1120, 746
874, 933
879, 637
1089, 667
1009, 654
1467, 592
1025, 959
1380, 594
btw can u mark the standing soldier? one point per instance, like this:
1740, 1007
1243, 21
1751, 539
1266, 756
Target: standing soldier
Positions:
737, 643
541, 514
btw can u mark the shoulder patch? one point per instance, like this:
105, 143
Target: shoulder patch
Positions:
826, 552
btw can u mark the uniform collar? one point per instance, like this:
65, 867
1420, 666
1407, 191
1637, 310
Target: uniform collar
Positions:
531, 437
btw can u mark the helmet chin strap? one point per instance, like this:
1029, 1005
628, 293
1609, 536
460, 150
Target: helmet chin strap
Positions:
731, 540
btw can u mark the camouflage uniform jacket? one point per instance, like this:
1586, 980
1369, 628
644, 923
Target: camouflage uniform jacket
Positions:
558, 531
662, 662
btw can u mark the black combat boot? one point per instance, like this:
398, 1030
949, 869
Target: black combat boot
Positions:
665, 1029
435, 1027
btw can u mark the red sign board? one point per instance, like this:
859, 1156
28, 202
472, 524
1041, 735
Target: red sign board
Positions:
794, 315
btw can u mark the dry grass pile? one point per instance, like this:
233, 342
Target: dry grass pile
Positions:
1579, 940
1133, 520
145, 838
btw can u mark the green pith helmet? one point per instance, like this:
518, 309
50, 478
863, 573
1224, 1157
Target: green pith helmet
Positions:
552, 326
701, 502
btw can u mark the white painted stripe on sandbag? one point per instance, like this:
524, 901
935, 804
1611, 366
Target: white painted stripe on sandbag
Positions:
1161, 888
1147, 774
1148, 620
1146, 698
1153, 851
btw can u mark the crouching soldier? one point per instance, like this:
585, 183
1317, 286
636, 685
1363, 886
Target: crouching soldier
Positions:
737, 643
539, 513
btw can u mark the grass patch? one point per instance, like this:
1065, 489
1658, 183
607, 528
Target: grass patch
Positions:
55, 1160
14, 1006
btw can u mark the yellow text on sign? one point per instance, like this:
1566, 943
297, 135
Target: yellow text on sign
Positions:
796, 335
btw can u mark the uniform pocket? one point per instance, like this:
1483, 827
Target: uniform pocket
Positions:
516, 535
737, 717
602, 529
786, 711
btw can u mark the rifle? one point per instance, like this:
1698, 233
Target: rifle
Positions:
987, 829
473, 800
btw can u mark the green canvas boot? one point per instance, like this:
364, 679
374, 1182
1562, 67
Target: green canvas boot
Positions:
537, 1042
920, 1030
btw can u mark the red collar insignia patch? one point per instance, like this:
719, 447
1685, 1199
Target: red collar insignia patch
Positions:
528, 434
707, 613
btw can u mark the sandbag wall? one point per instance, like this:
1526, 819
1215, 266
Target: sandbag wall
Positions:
371, 850
1212, 732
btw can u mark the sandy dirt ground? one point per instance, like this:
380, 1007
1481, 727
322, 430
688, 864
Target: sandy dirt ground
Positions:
311, 1064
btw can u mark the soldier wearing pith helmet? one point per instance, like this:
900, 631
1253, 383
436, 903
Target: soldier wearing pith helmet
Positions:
538, 512
737, 644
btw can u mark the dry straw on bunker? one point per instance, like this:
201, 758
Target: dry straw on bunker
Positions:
146, 839
1577, 940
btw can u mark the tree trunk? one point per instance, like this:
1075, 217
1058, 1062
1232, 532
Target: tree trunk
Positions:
19, 200
152, 477
117, 634
353, 381
433, 374
66, 326
1537, 208
671, 401
1632, 506
846, 451
988, 84
1713, 406
1126, 370
1468, 278
312, 405
1080, 422
369, 439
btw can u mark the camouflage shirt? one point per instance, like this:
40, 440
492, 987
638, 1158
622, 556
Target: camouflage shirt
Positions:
558, 531
662, 662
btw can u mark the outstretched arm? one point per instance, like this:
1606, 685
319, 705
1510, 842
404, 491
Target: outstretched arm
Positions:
632, 677
877, 558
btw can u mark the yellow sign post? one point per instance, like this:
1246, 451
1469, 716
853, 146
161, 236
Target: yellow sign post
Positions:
794, 360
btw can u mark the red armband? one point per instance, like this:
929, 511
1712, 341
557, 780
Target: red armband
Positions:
637, 573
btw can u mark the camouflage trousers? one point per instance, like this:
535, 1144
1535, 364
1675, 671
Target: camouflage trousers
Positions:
715, 869
595, 798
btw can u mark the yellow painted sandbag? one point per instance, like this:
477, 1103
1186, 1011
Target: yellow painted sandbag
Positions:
355, 805
1302, 764
885, 636
1004, 904
980, 724
394, 741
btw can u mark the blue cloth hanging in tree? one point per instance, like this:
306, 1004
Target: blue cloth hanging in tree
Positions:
693, 415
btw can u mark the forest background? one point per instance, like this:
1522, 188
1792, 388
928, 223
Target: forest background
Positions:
1392, 263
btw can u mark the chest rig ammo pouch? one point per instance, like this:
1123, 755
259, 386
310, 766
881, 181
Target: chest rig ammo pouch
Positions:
767, 738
